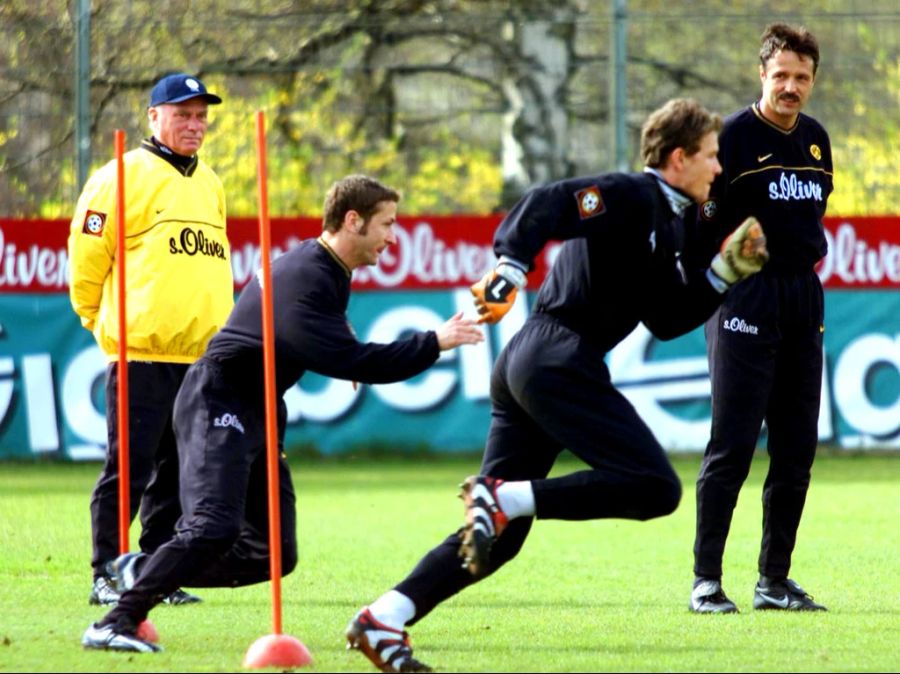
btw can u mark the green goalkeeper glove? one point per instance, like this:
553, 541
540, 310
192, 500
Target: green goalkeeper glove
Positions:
743, 253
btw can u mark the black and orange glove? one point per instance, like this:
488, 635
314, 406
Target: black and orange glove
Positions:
496, 292
743, 253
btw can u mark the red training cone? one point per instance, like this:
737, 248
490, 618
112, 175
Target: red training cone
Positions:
277, 650
146, 631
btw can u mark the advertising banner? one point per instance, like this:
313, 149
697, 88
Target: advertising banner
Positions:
51, 372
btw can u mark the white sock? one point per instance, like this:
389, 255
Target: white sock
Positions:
394, 609
516, 499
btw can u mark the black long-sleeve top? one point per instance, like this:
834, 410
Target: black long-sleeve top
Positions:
783, 177
311, 292
627, 257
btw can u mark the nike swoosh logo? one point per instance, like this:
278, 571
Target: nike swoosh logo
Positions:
762, 158
781, 602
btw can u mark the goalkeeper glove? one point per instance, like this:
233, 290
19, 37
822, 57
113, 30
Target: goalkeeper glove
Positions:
496, 292
743, 253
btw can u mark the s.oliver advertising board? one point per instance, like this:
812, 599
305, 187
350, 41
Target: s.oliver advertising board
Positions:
51, 372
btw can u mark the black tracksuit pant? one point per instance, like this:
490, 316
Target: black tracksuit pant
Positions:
222, 539
551, 390
153, 461
765, 360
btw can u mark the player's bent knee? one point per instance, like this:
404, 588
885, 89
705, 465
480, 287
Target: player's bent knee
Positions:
664, 497
288, 558
670, 496
215, 534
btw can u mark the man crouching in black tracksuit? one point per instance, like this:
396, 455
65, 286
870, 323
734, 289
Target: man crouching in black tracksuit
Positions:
222, 537
627, 258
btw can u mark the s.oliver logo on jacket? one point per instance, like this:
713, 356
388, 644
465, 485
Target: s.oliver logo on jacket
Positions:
194, 242
228, 420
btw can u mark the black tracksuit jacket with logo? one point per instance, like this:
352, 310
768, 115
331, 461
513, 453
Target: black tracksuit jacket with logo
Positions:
220, 424
627, 258
765, 341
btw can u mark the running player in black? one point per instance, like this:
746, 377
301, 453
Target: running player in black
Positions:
627, 259
222, 538
765, 341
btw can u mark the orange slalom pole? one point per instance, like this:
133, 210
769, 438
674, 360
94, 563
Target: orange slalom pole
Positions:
276, 649
122, 382
268, 331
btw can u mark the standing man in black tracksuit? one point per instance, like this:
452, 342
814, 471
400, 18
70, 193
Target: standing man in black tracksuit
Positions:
627, 259
222, 538
765, 341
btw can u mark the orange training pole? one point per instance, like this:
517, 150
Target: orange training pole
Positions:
122, 383
268, 330
277, 649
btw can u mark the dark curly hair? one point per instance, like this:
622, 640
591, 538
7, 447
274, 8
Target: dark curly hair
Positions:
782, 37
354, 193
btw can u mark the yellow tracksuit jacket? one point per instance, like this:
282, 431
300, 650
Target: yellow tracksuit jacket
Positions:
179, 285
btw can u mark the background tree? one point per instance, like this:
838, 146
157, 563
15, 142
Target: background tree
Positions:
461, 103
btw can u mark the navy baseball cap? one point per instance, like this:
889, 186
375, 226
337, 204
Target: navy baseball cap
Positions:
180, 87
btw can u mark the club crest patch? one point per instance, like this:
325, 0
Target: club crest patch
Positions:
590, 203
815, 151
708, 209
93, 223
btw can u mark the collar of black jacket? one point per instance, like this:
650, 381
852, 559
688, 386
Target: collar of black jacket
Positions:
678, 200
184, 165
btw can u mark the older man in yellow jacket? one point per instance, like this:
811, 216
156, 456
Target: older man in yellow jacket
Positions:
179, 291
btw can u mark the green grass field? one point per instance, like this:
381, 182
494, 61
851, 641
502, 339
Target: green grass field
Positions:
593, 596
